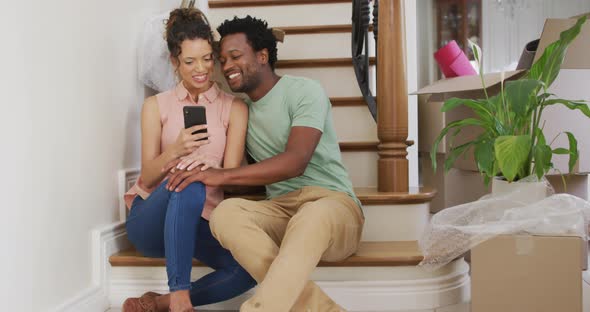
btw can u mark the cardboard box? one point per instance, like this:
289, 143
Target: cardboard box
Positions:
576, 184
453, 188
573, 83
527, 274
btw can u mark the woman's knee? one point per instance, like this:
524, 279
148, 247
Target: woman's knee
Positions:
192, 196
195, 188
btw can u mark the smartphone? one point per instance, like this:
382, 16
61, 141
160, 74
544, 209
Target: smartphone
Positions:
195, 115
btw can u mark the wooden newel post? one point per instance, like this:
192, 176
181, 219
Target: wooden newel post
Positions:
392, 98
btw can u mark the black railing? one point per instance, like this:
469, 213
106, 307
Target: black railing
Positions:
361, 20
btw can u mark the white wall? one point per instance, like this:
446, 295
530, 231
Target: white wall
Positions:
412, 81
426, 42
506, 31
70, 102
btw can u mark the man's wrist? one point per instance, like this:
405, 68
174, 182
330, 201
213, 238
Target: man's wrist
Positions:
227, 176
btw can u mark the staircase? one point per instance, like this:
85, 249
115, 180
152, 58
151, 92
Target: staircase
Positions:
382, 275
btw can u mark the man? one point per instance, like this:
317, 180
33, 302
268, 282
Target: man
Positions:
311, 213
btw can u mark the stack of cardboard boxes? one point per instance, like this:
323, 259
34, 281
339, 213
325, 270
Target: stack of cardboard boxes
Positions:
516, 273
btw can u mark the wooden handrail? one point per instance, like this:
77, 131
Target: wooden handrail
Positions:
392, 98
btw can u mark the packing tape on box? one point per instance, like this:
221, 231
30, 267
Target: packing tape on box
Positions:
524, 244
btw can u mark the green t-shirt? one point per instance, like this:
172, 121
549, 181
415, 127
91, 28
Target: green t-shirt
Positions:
297, 101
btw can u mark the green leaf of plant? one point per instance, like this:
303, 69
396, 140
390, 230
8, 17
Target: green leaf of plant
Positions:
455, 152
561, 151
512, 153
547, 67
520, 95
486, 179
484, 156
477, 54
496, 103
580, 105
479, 107
573, 150
451, 104
542, 156
545, 95
455, 124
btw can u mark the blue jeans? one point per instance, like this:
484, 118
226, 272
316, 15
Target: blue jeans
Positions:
169, 224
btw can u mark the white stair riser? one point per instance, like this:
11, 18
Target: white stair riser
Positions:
356, 289
313, 46
395, 222
289, 15
362, 167
354, 123
337, 81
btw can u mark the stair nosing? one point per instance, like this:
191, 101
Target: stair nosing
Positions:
348, 101
323, 62
410, 256
216, 4
369, 196
359, 146
317, 29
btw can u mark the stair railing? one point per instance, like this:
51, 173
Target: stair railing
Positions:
390, 108
361, 20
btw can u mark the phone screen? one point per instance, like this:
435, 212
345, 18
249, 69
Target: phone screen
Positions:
194, 115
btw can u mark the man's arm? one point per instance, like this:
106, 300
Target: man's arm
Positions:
291, 163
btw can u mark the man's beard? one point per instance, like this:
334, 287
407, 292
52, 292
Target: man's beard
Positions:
250, 80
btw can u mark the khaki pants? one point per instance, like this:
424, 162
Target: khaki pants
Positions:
280, 242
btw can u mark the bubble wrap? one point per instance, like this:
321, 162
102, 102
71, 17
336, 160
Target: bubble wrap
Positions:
455, 230
154, 67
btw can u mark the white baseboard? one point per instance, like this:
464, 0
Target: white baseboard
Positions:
92, 300
105, 241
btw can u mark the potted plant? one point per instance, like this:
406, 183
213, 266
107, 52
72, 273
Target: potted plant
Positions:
512, 144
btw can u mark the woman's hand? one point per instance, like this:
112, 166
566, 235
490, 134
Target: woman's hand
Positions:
186, 142
194, 160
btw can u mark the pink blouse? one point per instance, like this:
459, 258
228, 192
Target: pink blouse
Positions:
170, 103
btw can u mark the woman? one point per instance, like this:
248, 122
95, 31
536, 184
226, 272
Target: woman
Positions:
174, 225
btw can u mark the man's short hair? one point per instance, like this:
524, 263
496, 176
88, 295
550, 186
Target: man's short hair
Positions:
257, 32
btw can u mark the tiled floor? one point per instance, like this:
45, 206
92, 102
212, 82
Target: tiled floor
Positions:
464, 307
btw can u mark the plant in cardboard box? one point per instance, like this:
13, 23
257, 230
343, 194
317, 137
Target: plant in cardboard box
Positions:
512, 143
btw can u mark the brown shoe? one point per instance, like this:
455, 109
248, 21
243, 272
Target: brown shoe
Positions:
145, 303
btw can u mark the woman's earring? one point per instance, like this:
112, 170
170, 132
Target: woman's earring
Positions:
177, 76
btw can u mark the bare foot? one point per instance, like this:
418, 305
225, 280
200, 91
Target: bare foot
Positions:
180, 301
